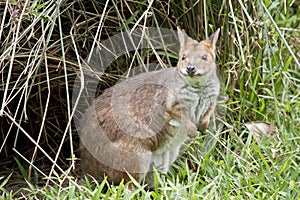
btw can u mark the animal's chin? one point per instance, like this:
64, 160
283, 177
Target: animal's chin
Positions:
191, 75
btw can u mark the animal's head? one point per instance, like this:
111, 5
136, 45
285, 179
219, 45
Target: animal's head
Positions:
196, 58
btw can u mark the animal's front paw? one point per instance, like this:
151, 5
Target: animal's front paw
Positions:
203, 126
192, 131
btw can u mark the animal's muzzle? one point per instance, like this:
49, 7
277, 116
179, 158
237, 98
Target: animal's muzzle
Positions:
190, 69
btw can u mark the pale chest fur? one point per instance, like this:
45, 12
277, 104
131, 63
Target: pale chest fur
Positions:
194, 102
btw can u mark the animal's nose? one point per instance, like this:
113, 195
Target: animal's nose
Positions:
190, 69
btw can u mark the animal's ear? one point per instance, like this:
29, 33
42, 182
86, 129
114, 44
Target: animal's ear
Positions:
214, 38
181, 36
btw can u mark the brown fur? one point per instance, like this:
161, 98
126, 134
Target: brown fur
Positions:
142, 122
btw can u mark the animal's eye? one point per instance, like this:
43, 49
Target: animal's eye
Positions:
183, 57
204, 57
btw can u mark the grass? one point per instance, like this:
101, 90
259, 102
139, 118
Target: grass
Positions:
42, 48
